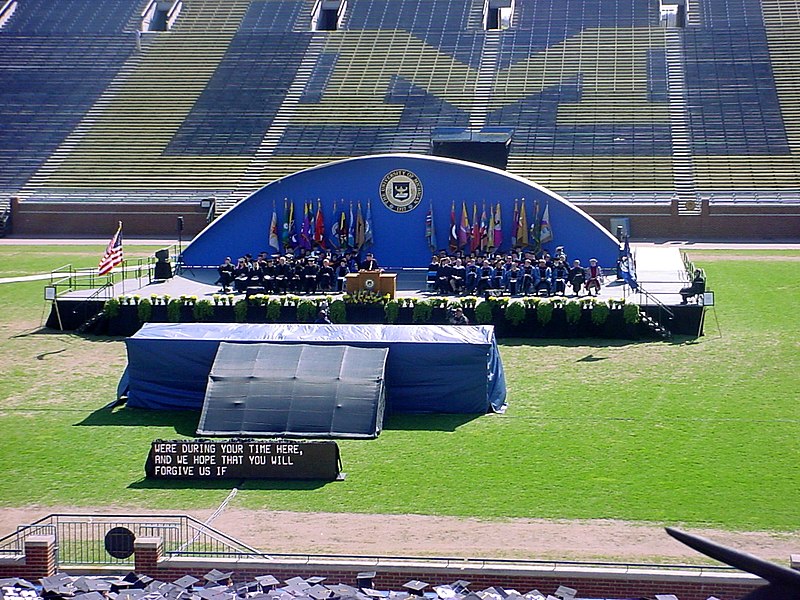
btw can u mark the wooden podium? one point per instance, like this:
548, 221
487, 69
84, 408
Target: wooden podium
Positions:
371, 281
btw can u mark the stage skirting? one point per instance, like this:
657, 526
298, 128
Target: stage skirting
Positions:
429, 369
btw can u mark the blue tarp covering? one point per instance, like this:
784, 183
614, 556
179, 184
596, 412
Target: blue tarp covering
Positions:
430, 368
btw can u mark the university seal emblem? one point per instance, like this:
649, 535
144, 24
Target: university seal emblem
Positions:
401, 191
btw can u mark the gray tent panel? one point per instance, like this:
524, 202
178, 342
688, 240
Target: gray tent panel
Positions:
295, 390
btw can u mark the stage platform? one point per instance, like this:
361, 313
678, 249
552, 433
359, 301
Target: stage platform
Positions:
660, 272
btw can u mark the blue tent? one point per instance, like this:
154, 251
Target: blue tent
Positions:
430, 368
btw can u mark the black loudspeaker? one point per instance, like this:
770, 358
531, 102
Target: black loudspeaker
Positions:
180, 223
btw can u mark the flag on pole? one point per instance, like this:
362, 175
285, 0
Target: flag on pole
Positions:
536, 227
288, 224
113, 255
490, 245
351, 230
483, 230
475, 235
360, 228
522, 229
498, 227
319, 226
463, 228
306, 234
341, 230
453, 242
369, 238
334, 239
430, 231
545, 230
515, 224
273, 230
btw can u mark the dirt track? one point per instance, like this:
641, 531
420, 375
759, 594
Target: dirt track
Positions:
417, 535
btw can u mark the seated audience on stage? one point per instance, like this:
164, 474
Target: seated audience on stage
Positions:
513, 279
698, 286
594, 277
341, 272
241, 274
443, 276
560, 277
458, 274
577, 277
325, 276
433, 273
226, 277
542, 278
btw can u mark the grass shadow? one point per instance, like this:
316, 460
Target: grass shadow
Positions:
184, 421
427, 422
570, 342
227, 484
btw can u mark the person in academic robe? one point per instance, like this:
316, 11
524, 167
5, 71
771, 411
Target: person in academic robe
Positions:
325, 276
226, 277
577, 277
594, 277
369, 263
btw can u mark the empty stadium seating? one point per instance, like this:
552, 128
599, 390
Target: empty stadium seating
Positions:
605, 106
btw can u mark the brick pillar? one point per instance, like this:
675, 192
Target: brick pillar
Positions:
147, 552
40, 556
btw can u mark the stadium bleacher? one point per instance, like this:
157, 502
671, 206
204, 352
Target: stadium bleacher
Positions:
604, 105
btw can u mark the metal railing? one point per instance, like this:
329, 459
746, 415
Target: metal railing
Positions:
81, 539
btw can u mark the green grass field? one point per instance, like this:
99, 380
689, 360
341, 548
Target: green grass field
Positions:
696, 432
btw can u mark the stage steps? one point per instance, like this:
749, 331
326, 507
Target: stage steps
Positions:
655, 326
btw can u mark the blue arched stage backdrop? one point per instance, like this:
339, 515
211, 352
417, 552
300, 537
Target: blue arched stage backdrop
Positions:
400, 190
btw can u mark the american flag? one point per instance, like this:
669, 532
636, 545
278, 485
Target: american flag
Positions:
113, 254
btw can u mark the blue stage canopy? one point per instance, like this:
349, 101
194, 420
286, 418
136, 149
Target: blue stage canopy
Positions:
430, 368
400, 190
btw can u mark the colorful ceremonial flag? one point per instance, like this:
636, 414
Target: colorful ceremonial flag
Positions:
341, 230
273, 230
522, 229
319, 226
535, 229
369, 238
463, 228
483, 230
113, 255
490, 245
430, 231
360, 228
498, 227
475, 235
334, 237
288, 224
545, 230
515, 224
351, 230
453, 242
305, 227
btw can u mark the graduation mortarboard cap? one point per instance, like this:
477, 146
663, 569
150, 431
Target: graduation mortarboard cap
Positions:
460, 586
415, 586
315, 580
267, 581
319, 592
17, 582
340, 590
186, 581
91, 584
89, 596
374, 593
138, 581
566, 593
216, 576
134, 594
365, 579
666, 597
445, 592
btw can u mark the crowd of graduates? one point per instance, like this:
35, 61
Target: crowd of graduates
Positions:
516, 273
